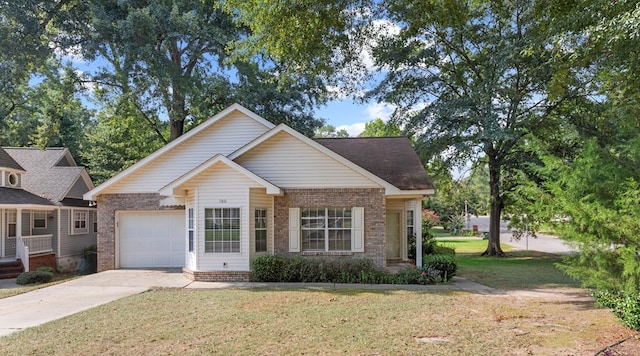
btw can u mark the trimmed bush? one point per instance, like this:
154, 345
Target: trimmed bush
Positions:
445, 264
316, 270
412, 275
34, 277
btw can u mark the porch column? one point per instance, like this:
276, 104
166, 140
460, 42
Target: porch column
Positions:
18, 223
417, 217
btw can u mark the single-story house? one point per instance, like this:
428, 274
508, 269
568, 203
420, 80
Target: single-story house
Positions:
42, 212
237, 186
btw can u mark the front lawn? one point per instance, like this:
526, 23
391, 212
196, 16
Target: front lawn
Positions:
327, 322
517, 270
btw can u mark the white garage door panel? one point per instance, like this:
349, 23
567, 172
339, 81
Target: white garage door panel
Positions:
151, 239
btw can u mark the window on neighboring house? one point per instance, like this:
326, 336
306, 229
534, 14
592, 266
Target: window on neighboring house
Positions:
190, 227
260, 229
12, 223
326, 229
222, 230
95, 221
411, 231
39, 219
80, 222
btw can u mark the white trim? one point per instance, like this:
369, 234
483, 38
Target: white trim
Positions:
204, 231
389, 188
91, 195
79, 231
173, 187
33, 220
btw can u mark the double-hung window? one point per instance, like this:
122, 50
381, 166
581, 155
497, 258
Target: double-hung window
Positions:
12, 223
326, 229
80, 222
222, 230
190, 227
260, 229
39, 219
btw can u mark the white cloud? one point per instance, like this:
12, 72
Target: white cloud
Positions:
353, 130
380, 111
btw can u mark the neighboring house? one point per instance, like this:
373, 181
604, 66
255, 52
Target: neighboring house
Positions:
41, 207
237, 186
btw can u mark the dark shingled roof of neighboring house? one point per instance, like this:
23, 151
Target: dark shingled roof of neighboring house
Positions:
390, 158
21, 197
6, 161
47, 171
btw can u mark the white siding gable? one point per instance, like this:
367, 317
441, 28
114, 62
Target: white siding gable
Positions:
223, 137
222, 187
287, 162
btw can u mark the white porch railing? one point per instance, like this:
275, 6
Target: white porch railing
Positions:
38, 243
22, 252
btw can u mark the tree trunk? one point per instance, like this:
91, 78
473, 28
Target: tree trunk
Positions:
177, 128
493, 247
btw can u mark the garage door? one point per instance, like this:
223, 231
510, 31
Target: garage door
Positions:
151, 239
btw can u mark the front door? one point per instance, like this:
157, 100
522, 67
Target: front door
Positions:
394, 226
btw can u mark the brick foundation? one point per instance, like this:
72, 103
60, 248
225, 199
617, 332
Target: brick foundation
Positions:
108, 204
372, 199
37, 261
216, 276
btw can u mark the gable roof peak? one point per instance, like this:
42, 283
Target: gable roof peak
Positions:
6, 161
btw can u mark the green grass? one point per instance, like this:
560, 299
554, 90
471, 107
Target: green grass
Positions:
327, 322
517, 270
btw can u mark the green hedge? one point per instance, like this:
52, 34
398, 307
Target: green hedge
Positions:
436, 269
444, 263
316, 270
34, 277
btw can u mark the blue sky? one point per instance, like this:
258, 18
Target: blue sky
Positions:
352, 116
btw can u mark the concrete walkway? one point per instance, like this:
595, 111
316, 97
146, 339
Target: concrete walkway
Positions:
55, 302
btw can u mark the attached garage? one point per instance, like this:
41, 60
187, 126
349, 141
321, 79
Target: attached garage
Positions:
151, 239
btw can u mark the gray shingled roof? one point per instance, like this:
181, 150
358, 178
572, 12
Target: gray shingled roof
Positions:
390, 158
6, 161
22, 197
42, 177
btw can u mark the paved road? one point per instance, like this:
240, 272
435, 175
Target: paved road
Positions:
542, 243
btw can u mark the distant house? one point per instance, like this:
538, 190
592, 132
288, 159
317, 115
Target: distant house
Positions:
42, 213
237, 186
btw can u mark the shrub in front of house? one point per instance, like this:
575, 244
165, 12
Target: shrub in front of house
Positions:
423, 275
34, 277
437, 269
316, 270
445, 264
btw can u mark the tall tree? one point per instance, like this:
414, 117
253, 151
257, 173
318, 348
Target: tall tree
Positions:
169, 59
470, 78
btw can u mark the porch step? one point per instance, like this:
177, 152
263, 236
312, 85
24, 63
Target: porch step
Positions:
11, 269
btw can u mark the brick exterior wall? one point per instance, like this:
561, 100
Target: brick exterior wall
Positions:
108, 204
372, 199
217, 276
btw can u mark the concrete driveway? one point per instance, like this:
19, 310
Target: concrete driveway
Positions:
51, 303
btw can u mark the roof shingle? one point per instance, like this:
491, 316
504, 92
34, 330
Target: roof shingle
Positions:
390, 158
